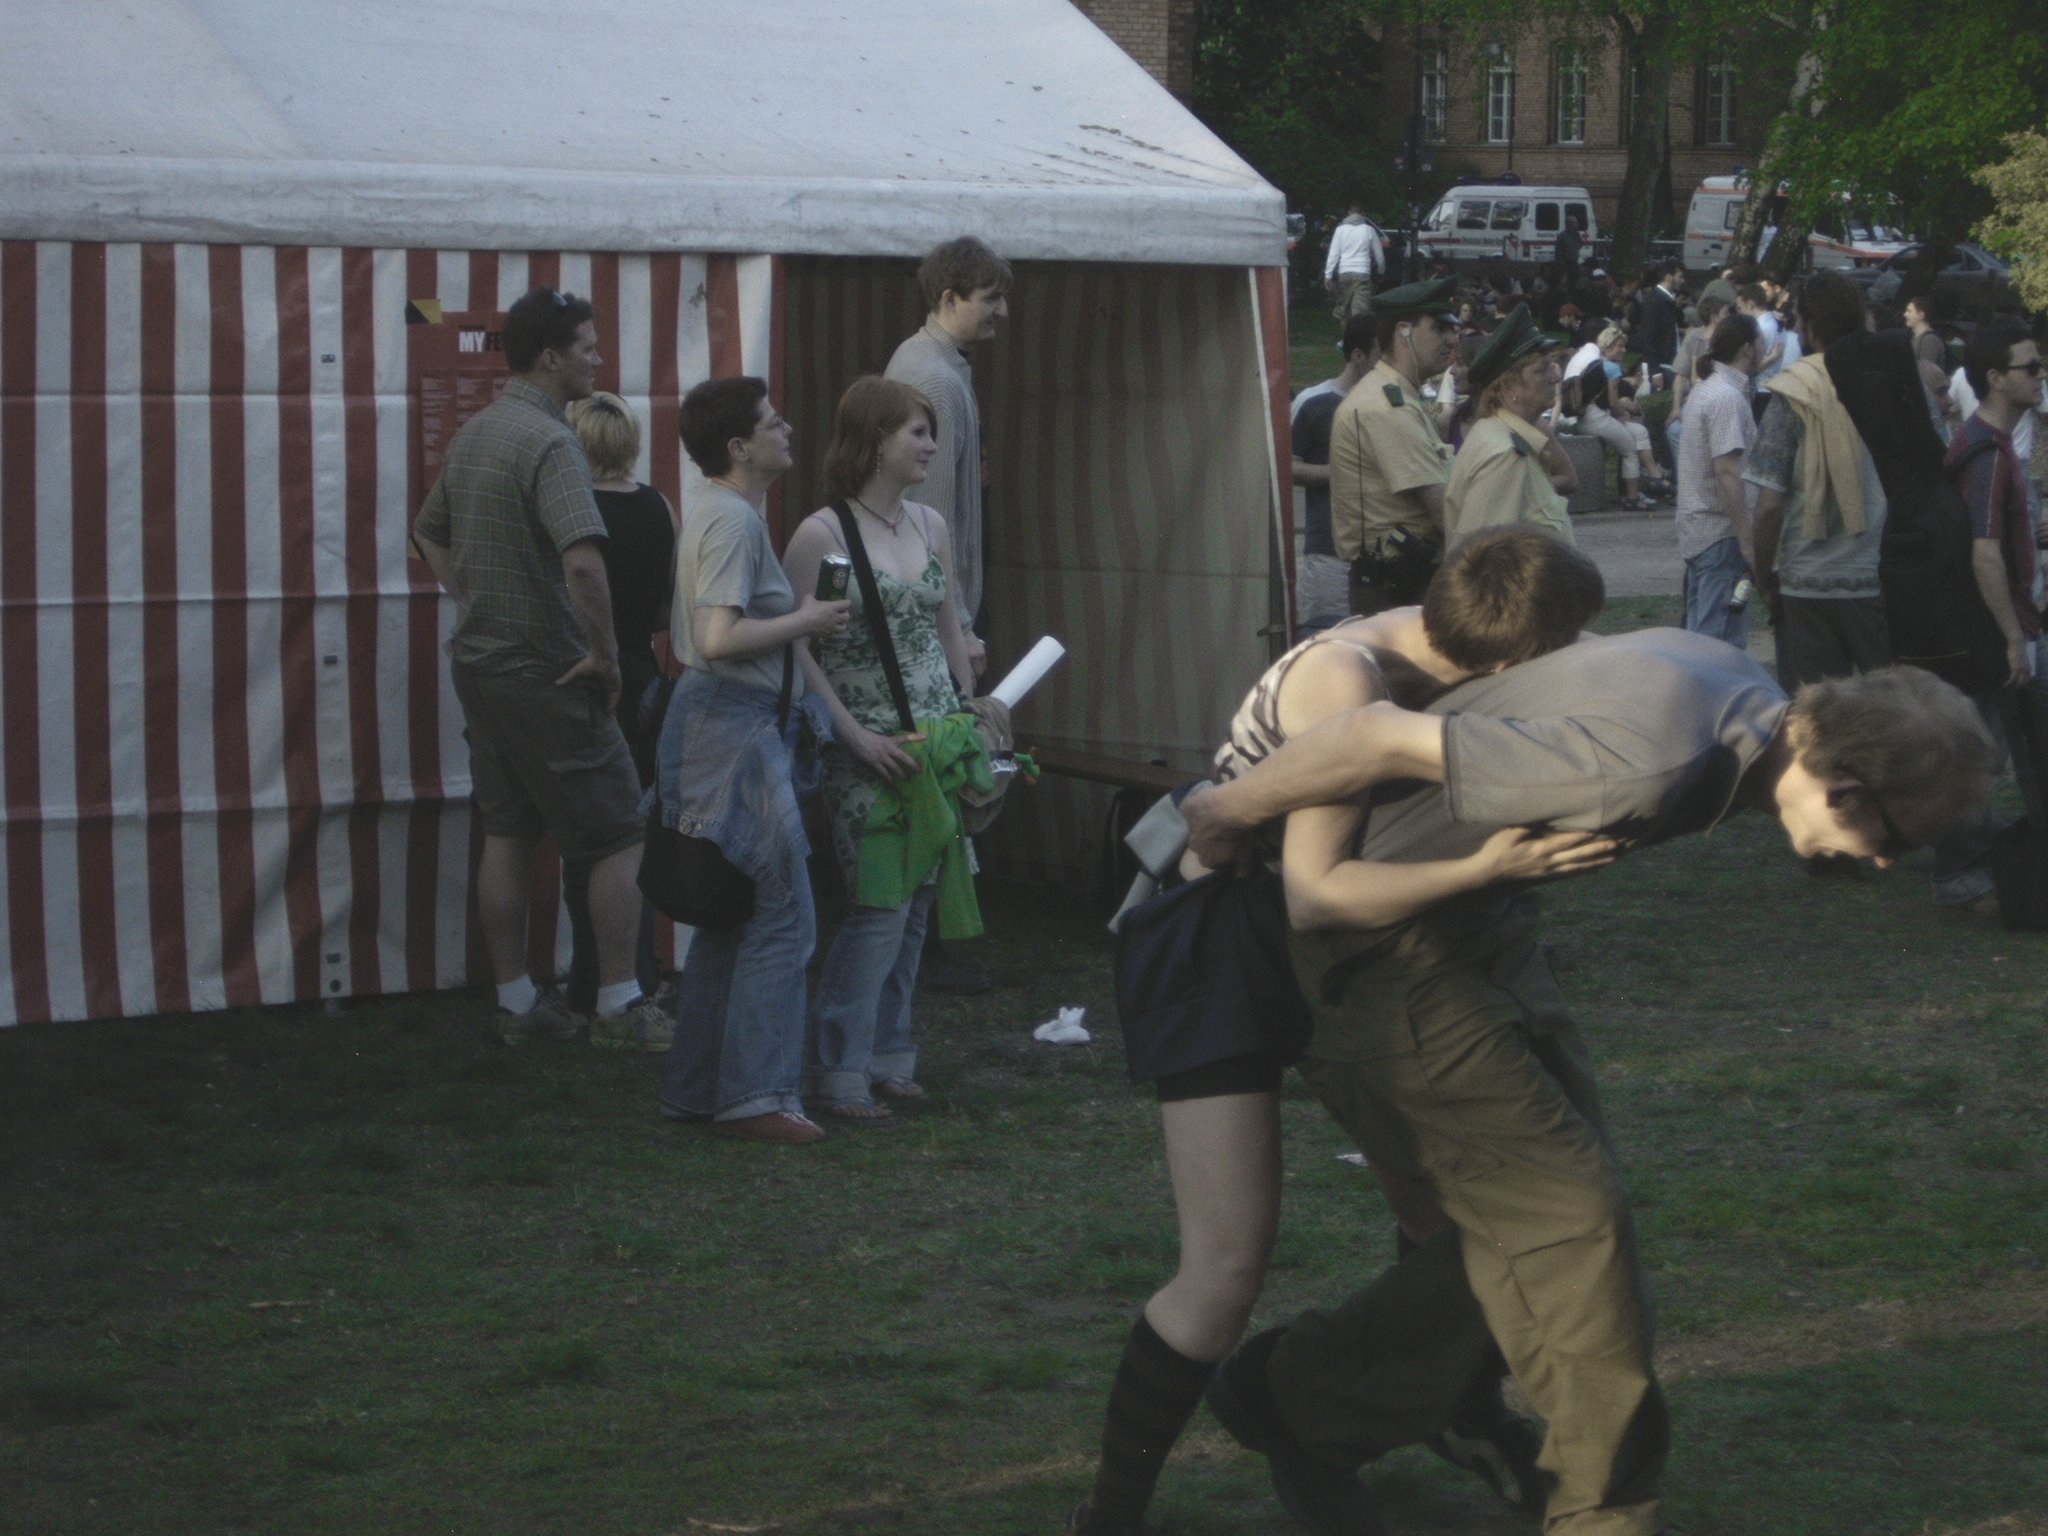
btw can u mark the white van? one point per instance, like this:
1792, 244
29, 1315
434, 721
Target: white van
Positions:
1512, 223
1841, 238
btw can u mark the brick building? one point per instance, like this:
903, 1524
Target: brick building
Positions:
1159, 34
1555, 110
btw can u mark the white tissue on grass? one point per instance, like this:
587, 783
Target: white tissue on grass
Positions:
1064, 1030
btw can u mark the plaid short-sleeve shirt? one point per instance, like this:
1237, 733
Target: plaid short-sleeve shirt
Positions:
513, 494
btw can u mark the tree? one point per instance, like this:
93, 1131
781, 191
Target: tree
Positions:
1291, 85
2017, 226
1900, 113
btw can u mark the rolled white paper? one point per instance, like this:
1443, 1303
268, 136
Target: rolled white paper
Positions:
1029, 672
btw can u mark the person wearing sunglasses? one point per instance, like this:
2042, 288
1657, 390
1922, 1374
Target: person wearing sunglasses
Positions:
2003, 365
512, 532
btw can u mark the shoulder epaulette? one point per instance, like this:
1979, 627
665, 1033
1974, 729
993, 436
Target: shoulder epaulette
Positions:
1394, 395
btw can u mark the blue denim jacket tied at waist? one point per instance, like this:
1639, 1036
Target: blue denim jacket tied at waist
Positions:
724, 772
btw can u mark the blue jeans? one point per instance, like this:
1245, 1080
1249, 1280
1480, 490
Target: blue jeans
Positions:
1710, 578
738, 1049
863, 1027
729, 772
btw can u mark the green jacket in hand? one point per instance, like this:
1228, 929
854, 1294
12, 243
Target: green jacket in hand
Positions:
915, 825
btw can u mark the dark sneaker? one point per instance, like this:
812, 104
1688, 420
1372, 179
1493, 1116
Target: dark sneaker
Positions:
1328, 1500
643, 1027
549, 1019
1499, 1447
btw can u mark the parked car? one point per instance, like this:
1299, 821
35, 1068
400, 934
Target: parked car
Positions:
1976, 282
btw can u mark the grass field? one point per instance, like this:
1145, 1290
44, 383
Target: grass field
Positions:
300, 1271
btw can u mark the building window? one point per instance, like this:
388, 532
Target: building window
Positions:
1433, 91
1500, 94
1717, 99
1568, 120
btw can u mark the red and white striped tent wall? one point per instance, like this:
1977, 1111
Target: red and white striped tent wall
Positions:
231, 768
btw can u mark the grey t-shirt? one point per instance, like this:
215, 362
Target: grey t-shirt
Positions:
724, 559
1644, 736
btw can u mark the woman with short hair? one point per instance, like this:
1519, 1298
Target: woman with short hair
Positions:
735, 746
639, 566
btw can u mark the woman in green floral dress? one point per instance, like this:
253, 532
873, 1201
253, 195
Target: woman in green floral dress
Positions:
882, 442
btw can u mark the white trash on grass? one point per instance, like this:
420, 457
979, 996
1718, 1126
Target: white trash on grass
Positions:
1064, 1030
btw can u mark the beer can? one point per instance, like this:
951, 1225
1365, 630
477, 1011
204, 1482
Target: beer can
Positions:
1738, 600
835, 578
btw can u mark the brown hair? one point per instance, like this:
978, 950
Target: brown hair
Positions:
1507, 594
1902, 733
960, 267
610, 434
714, 413
869, 411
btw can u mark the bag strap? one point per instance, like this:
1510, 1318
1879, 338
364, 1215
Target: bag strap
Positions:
878, 623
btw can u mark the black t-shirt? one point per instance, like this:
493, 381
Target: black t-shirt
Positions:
640, 564
1312, 446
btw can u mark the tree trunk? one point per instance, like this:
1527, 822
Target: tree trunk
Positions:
1644, 48
1763, 181
1750, 232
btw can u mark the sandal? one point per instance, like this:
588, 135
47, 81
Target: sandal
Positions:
1638, 503
901, 1089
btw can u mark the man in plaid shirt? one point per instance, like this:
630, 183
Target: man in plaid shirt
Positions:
511, 530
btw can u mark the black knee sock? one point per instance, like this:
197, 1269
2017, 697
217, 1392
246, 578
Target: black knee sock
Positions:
1156, 1390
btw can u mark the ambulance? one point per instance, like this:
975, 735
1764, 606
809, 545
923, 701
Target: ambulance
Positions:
1506, 221
1842, 237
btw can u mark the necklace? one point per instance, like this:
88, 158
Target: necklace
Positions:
893, 527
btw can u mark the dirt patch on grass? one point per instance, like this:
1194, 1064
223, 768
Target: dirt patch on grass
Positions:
1826, 1337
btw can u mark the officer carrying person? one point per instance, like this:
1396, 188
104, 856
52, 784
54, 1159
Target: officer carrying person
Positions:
1388, 463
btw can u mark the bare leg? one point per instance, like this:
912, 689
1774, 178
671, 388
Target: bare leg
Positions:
504, 873
615, 913
1223, 1155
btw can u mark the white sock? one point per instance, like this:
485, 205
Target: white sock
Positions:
518, 996
616, 997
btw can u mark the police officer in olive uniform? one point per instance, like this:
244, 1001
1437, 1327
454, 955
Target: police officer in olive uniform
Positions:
1511, 467
1388, 463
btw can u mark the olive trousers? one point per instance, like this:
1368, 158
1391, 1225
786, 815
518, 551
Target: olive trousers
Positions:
1450, 1058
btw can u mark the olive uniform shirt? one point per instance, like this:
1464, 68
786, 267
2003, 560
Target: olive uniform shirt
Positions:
1499, 478
1383, 444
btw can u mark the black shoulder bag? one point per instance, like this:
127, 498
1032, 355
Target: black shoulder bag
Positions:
878, 622
689, 878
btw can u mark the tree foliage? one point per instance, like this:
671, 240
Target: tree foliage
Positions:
1294, 87
2017, 227
1908, 104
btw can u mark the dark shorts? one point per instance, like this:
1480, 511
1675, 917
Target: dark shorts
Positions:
1205, 990
1239, 1074
549, 759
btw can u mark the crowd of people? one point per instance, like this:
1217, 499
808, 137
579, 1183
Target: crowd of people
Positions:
1443, 739
566, 572
1349, 893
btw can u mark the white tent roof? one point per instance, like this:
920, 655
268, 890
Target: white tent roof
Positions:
832, 127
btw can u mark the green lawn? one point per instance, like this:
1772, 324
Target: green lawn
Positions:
308, 1272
